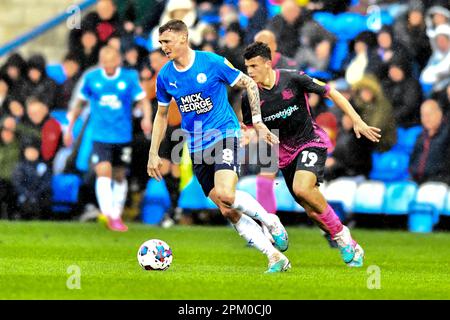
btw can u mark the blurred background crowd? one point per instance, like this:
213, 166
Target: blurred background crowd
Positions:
391, 59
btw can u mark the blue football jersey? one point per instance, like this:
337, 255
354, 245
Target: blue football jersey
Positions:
111, 100
200, 91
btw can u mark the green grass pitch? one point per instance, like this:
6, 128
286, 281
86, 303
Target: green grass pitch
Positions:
214, 263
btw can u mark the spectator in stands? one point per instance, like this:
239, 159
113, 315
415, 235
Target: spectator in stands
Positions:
143, 15
182, 10
435, 17
279, 61
71, 67
437, 72
232, 46
404, 93
351, 156
4, 90
333, 6
87, 51
295, 28
38, 124
38, 83
430, 158
9, 156
371, 103
410, 31
388, 48
14, 70
257, 18
362, 58
31, 180
103, 22
443, 98
228, 15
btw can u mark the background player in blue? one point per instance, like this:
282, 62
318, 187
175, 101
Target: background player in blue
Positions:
197, 81
303, 144
111, 92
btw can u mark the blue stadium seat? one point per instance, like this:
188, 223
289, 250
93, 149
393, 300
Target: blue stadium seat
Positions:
446, 211
369, 197
155, 202
424, 211
192, 197
389, 166
342, 190
339, 54
56, 72
65, 189
285, 201
406, 138
399, 196
247, 184
325, 19
342, 24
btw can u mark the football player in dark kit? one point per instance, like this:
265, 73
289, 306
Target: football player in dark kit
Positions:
303, 144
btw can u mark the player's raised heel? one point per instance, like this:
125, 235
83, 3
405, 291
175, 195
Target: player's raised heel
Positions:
280, 265
279, 234
358, 259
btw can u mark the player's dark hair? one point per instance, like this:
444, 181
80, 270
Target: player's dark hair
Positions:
257, 49
173, 25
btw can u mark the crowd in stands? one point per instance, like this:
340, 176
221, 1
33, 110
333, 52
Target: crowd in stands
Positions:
396, 75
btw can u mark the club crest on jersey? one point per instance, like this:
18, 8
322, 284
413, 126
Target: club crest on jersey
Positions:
195, 102
121, 85
287, 94
201, 78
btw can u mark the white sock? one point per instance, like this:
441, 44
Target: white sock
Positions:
119, 190
252, 208
250, 231
103, 191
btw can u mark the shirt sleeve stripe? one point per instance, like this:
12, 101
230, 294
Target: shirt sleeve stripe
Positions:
140, 96
239, 76
164, 104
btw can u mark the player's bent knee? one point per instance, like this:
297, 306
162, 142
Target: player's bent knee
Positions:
302, 192
226, 197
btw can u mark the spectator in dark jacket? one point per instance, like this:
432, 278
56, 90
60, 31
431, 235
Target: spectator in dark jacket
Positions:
4, 94
404, 92
232, 47
104, 22
430, 158
410, 31
257, 18
32, 182
343, 161
71, 67
88, 50
14, 70
279, 61
443, 98
38, 83
9, 156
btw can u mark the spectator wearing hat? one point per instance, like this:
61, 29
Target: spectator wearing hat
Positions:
376, 110
410, 31
436, 16
430, 158
38, 83
404, 93
31, 181
436, 74
14, 72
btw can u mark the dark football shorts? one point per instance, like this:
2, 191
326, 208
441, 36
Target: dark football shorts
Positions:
118, 154
173, 139
223, 155
310, 159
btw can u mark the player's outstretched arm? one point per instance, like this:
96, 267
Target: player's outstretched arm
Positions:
158, 133
253, 97
359, 126
73, 115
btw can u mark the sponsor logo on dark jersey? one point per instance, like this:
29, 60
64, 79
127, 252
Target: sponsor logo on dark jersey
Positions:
282, 114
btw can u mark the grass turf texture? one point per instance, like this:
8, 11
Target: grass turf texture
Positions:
213, 263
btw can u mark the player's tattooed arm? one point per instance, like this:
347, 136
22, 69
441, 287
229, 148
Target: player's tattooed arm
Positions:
253, 98
245, 82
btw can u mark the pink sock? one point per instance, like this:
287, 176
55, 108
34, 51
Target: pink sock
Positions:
265, 194
331, 221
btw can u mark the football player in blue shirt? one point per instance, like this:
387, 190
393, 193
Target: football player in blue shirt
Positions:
111, 92
197, 81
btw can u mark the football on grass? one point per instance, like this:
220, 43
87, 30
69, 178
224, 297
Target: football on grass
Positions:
155, 254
